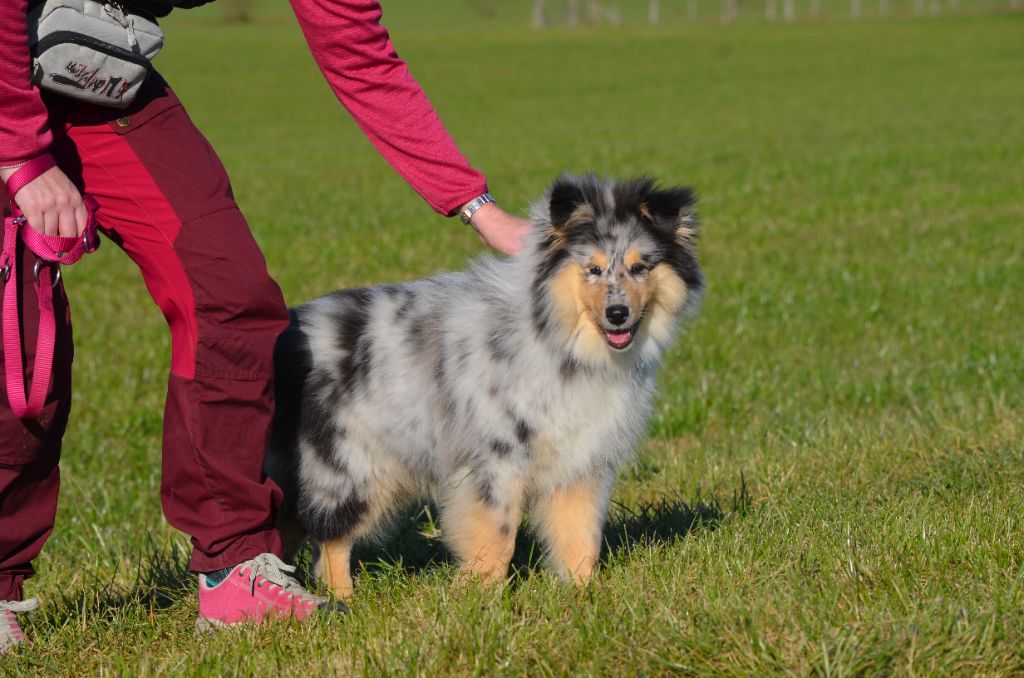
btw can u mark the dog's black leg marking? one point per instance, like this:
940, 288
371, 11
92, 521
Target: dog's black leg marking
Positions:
331, 522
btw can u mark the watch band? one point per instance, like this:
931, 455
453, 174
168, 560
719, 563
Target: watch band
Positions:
470, 209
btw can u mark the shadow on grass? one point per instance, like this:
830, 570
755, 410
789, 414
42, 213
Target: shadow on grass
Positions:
160, 579
660, 522
413, 545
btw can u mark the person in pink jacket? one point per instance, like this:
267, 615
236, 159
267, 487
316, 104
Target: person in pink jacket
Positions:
165, 199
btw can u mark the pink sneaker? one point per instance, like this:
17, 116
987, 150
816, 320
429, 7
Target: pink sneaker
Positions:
257, 590
11, 633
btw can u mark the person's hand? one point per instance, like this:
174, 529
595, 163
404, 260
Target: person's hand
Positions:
499, 230
51, 204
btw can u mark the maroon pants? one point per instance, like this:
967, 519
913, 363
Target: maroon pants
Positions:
165, 200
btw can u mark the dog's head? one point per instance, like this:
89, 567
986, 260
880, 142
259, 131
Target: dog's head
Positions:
615, 263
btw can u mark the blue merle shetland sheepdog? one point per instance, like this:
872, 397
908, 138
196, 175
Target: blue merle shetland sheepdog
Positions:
519, 385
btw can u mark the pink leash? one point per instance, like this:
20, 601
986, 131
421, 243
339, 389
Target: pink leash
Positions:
49, 249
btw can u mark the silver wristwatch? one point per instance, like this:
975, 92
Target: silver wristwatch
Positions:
470, 209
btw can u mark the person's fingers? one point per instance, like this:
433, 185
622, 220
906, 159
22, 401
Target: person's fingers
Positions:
81, 218
52, 204
33, 216
67, 222
51, 222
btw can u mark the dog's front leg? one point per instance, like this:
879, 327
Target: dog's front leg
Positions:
479, 522
569, 522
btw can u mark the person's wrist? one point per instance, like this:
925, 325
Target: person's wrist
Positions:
485, 215
6, 171
29, 170
467, 211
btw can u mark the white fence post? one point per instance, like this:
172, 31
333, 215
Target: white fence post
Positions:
572, 14
614, 14
730, 8
788, 11
654, 12
769, 10
855, 9
539, 19
691, 11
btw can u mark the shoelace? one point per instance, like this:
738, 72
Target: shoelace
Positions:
10, 608
274, 570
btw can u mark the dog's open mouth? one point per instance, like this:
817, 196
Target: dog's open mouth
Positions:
620, 339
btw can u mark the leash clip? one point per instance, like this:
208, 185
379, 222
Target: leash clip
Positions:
39, 265
5, 273
19, 221
91, 243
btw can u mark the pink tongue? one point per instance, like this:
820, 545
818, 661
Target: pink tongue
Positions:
619, 339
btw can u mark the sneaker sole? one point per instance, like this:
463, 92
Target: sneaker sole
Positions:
204, 625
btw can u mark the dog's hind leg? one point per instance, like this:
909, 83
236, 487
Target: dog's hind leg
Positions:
479, 524
334, 525
569, 522
334, 566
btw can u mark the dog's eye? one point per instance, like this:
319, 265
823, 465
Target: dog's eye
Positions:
594, 270
637, 269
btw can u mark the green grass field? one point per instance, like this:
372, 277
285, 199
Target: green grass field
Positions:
833, 480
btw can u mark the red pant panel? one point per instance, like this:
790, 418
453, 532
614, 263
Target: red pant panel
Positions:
165, 199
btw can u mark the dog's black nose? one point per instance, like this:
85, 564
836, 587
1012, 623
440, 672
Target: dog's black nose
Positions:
617, 314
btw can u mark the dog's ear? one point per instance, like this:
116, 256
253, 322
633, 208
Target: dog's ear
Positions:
568, 204
671, 210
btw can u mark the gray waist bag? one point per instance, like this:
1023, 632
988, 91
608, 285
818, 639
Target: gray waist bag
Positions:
96, 52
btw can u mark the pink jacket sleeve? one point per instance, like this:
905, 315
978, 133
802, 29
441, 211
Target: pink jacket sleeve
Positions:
24, 133
356, 55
